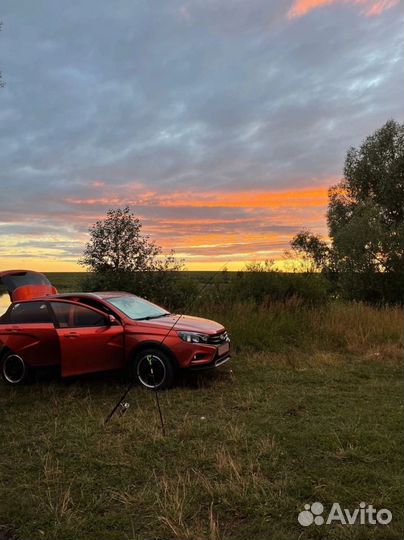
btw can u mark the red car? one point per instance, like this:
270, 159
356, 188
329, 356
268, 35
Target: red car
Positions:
89, 332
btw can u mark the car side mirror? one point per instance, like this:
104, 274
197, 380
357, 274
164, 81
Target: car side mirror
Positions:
112, 321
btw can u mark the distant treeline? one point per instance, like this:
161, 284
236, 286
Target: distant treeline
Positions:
176, 290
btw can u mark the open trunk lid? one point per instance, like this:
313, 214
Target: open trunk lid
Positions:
26, 284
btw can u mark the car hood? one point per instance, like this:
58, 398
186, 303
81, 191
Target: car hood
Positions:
185, 323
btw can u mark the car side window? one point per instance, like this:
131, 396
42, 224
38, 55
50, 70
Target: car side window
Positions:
29, 312
97, 305
62, 312
75, 316
87, 317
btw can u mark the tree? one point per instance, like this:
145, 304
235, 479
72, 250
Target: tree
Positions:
365, 219
309, 244
119, 256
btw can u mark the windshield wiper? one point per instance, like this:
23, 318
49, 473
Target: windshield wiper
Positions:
153, 317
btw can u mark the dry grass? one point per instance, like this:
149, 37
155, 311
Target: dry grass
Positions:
310, 409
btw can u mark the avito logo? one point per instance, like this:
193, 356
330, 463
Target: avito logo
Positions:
366, 514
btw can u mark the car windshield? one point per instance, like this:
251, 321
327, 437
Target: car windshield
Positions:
137, 308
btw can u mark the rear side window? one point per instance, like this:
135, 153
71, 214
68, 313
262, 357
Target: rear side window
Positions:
29, 312
73, 316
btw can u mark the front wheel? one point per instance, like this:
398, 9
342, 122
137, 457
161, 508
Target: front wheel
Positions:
153, 369
14, 370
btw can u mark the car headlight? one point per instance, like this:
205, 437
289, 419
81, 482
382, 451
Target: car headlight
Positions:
193, 337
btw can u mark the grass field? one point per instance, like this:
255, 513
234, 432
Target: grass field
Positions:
310, 409
70, 281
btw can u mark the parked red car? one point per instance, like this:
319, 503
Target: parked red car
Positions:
90, 332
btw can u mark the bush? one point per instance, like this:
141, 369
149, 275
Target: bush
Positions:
266, 287
373, 287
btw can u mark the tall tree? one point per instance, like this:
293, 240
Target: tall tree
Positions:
119, 256
117, 244
366, 220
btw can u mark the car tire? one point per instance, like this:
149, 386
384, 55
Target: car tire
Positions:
153, 369
14, 371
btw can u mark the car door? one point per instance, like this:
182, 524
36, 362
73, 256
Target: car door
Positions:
27, 329
25, 284
88, 341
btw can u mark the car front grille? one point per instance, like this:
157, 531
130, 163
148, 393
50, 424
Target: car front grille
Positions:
218, 339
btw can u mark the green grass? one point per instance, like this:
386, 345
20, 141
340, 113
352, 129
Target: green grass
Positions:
69, 281
310, 409
66, 281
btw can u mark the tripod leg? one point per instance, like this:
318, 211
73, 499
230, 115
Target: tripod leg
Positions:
149, 359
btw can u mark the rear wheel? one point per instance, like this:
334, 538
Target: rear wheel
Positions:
153, 369
14, 370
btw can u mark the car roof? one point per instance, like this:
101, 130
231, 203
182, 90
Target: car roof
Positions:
97, 295
101, 294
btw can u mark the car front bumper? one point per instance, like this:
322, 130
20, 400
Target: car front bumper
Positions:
197, 356
215, 363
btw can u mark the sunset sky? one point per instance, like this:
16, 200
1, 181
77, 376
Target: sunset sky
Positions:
220, 122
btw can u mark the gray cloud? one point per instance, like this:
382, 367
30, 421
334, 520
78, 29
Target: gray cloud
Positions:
183, 95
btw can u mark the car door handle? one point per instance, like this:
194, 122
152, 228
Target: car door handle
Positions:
71, 335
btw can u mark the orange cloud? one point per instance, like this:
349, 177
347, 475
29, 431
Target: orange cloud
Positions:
249, 199
369, 8
241, 199
380, 6
206, 228
203, 222
260, 226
